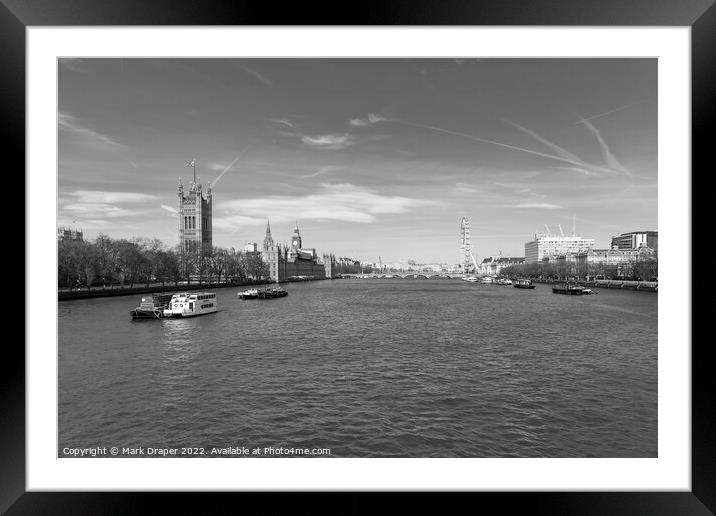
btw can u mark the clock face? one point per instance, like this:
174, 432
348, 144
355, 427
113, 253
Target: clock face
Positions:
295, 242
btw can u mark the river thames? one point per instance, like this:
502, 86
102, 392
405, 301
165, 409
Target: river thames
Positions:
368, 368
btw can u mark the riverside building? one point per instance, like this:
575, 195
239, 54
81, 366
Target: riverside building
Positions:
546, 245
636, 239
194, 216
295, 262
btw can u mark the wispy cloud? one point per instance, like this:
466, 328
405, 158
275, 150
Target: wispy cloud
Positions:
74, 64
283, 121
342, 202
322, 170
258, 76
329, 141
70, 123
535, 205
91, 196
466, 188
95, 204
370, 119
170, 209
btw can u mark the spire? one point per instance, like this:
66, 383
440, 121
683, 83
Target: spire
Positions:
268, 240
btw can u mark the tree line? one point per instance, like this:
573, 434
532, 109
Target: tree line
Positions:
107, 261
642, 269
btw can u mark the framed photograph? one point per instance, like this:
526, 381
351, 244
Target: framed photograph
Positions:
416, 250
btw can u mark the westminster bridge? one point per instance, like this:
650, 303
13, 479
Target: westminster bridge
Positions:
405, 275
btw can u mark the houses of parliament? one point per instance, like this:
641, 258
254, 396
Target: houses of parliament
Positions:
285, 263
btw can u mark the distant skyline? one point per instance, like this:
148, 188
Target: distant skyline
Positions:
371, 157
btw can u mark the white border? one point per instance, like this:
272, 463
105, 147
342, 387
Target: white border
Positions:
670, 471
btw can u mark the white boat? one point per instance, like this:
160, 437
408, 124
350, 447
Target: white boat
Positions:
487, 279
252, 293
190, 305
471, 279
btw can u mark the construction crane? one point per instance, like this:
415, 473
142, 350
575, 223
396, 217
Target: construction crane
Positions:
546, 227
560, 229
474, 262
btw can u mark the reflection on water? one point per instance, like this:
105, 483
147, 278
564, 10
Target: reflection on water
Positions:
372, 368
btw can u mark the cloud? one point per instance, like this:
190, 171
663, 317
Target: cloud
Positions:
91, 196
94, 210
74, 64
466, 188
323, 170
283, 121
340, 202
170, 209
258, 76
535, 205
95, 196
370, 119
71, 124
234, 222
97, 204
329, 141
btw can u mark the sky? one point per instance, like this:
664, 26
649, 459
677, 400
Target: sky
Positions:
370, 157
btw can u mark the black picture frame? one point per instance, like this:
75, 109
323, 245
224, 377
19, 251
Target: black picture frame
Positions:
16, 15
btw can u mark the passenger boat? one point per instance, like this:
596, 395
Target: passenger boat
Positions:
472, 279
503, 281
523, 283
252, 293
190, 305
570, 289
487, 279
151, 307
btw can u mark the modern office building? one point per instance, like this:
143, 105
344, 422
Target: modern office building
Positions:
546, 245
636, 239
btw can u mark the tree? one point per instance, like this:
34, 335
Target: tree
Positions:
255, 267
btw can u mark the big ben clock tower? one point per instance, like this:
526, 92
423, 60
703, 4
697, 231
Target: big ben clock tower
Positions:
296, 239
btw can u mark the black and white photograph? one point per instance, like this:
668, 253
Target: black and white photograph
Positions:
357, 257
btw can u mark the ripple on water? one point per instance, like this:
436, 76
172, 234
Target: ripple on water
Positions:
387, 368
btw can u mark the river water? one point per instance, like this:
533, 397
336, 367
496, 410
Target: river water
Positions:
369, 368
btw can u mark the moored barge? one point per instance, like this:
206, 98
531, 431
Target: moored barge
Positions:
571, 290
523, 283
151, 307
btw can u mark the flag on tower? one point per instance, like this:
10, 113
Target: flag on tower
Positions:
191, 163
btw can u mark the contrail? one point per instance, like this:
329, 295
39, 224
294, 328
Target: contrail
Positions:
614, 110
564, 159
606, 152
228, 167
